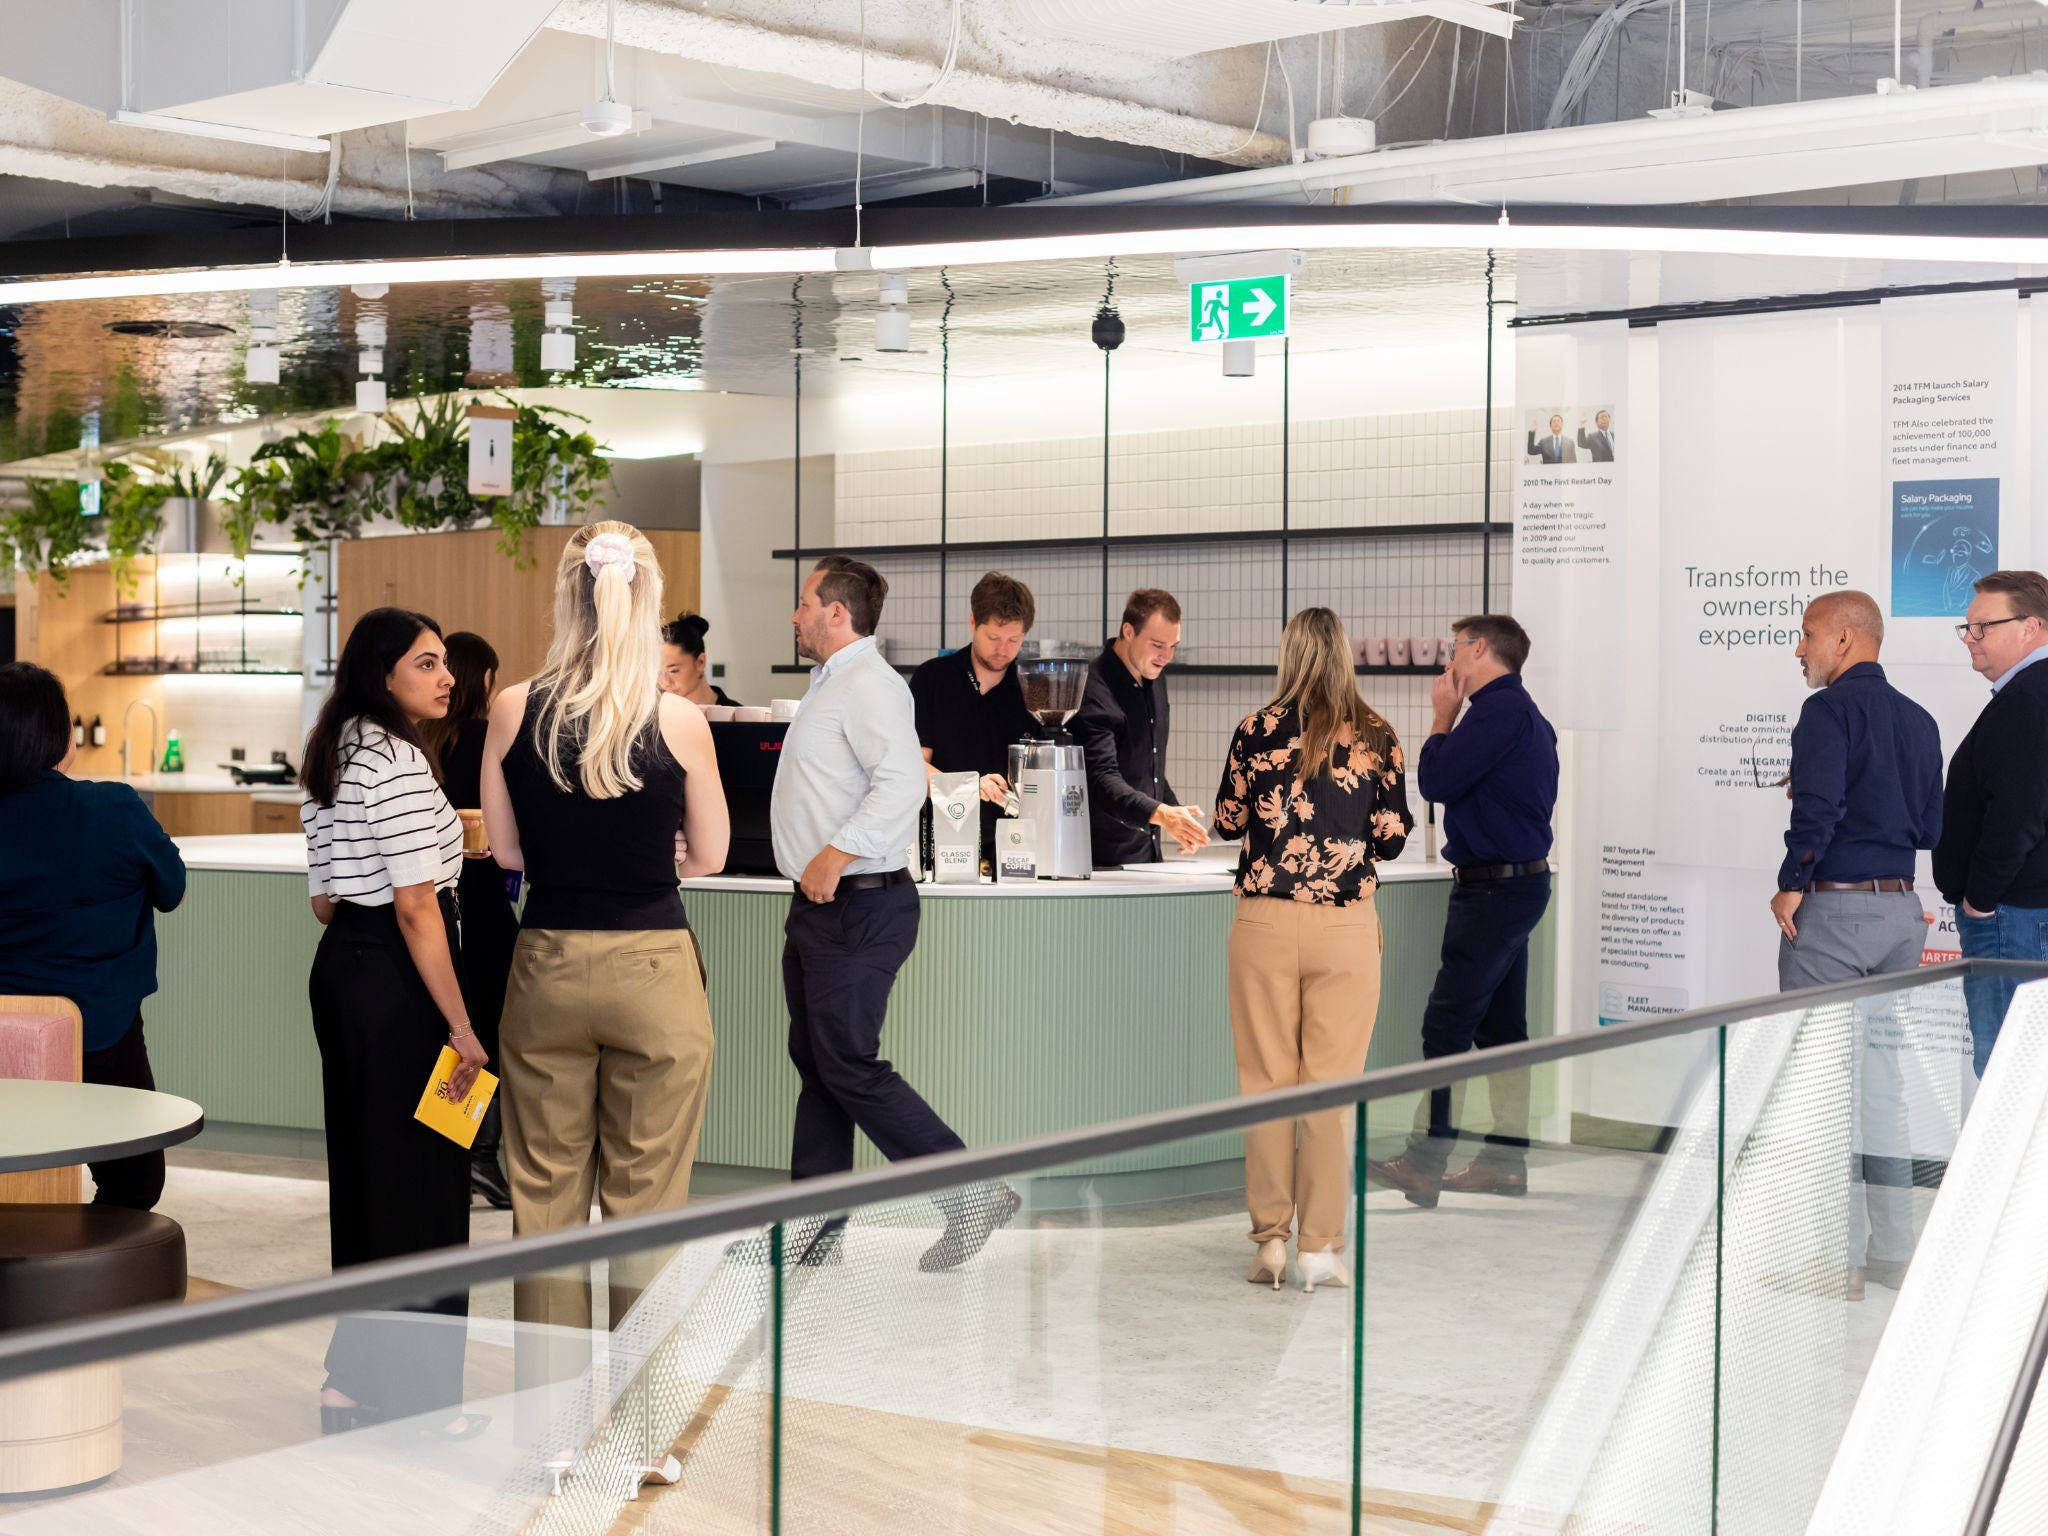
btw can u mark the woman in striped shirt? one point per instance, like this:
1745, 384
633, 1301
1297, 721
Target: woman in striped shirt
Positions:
383, 855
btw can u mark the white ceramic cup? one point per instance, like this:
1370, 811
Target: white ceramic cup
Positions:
753, 714
1376, 650
784, 709
719, 711
1426, 649
1360, 651
1399, 653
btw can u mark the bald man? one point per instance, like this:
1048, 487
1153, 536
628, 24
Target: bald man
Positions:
1866, 797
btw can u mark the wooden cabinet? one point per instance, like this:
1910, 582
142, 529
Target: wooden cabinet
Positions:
268, 818
203, 815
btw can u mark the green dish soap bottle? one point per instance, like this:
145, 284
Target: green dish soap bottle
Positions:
174, 756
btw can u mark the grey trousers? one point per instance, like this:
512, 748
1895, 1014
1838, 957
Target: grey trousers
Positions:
1844, 935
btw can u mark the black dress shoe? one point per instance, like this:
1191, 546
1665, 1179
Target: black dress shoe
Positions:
486, 1178
971, 1216
1481, 1177
1420, 1185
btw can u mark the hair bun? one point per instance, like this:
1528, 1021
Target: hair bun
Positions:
693, 624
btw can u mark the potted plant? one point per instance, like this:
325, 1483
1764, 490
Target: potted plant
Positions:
48, 533
132, 520
316, 482
557, 472
422, 471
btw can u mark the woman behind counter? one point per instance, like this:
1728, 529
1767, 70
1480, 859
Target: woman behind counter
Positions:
86, 866
685, 669
489, 924
1315, 787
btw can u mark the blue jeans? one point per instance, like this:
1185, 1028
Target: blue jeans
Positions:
2009, 933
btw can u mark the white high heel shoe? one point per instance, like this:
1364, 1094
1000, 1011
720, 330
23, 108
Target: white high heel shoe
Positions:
1270, 1267
1325, 1268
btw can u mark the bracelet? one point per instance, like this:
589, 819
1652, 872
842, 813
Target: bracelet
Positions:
457, 1034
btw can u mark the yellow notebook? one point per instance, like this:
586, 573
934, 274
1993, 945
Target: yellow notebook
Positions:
457, 1119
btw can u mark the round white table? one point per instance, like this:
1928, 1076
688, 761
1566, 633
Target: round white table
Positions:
64, 1428
53, 1125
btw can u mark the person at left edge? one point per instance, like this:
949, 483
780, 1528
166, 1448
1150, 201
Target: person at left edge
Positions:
847, 793
83, 868
969, 707
383, 859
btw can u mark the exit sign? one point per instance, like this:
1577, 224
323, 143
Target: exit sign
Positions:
1242, 309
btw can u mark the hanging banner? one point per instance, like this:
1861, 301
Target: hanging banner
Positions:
1950, 382
1572, 446
1759, 421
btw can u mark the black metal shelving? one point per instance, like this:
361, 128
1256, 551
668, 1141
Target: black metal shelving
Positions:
157, 613
1143, 540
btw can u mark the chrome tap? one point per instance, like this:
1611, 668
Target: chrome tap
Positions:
154, 726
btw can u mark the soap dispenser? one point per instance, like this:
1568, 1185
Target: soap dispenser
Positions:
174, 755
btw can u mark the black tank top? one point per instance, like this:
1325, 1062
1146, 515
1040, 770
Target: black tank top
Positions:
598, 864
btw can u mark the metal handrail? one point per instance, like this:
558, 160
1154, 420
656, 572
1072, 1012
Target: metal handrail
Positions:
420, 1277
2010, 1426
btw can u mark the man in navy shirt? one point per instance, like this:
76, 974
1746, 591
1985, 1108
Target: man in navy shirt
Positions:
1495, 774
1866, 797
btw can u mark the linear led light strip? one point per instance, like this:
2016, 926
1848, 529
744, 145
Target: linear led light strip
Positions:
1502, 236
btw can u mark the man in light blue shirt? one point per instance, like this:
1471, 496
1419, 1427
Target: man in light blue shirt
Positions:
845, 808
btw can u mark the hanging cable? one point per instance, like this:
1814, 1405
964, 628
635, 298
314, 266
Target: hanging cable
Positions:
1451, 98
1293, 149
1419, 68
860, 127
611, 36
1388, 78
945, 73
408, 171
1577, 77
1265, 79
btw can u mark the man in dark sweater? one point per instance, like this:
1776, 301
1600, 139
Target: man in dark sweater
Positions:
1992, 860
1121, 728
1495, 774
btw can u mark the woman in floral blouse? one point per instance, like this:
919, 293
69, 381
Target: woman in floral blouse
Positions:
1315, 788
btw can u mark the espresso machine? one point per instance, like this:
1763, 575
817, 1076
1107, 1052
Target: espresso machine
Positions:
1048, 777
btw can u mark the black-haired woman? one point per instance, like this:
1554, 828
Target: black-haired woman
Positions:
685, 669
490, 925
83, 868
383, 856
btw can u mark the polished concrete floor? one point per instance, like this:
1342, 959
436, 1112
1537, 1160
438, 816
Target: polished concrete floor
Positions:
1126, 1331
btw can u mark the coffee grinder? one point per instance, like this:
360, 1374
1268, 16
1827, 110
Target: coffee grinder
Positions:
1048, 776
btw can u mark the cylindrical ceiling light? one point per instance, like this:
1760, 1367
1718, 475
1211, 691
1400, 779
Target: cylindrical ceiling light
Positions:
892, 321
558, 341
370, 338
1240, 358
261, 364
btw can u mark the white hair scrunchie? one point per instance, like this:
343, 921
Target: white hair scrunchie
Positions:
610, 549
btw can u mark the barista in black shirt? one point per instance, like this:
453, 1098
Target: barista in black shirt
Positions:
969, 706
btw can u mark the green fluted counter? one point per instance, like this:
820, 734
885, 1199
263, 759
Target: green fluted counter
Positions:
1019, 1013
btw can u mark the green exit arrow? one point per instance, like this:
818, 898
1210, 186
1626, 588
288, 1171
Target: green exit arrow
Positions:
1240, 309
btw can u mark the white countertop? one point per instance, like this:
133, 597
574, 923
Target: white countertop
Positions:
192, 784
285, 854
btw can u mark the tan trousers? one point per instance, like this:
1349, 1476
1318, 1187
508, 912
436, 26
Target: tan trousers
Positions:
1304, 990
607, 1049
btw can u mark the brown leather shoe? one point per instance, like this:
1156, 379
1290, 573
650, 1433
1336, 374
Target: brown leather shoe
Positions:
1417, 1183
1480, 1177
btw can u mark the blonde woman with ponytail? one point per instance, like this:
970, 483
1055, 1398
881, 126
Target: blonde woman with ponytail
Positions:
1315, 787
590, 774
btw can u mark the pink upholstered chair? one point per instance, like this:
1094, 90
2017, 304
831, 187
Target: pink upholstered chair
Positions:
41, 1038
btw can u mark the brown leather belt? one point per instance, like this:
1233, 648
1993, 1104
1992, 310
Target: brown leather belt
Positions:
1881, 887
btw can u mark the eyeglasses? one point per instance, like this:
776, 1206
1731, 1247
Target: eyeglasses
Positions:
1976, 631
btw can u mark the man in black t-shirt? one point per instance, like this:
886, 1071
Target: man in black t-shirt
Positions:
969, 706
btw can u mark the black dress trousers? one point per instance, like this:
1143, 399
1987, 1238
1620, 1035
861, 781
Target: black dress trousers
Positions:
839, 961
394, 1187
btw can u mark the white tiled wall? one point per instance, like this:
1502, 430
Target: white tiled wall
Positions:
213, 714
1367, 471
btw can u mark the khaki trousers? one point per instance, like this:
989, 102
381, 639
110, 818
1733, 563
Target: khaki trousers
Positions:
607, 1056
1304, 991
